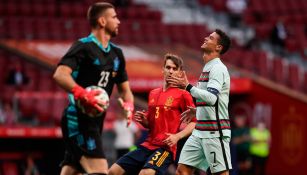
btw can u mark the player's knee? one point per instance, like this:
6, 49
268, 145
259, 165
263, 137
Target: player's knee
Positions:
116, 170
147, 172
112, 172
179, 171
183, 170
97, 174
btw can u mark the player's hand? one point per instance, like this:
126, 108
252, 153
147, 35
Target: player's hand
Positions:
179, 80
171, 140
140, 116
87, 97
128, 108
188, 115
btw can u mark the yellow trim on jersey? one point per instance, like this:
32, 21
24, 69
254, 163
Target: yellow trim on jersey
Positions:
162, 158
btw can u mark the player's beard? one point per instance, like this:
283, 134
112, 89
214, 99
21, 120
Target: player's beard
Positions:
113, 33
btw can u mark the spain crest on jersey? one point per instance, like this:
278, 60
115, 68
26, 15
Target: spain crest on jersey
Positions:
168, 103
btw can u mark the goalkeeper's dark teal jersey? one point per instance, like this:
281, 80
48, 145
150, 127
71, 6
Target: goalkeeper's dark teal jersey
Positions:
92, 64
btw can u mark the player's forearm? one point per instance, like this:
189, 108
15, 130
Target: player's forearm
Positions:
128, 96
64, 80
187, 130
202, 94
125, 92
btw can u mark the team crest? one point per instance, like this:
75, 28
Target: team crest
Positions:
168, 103
116, 63
91, 145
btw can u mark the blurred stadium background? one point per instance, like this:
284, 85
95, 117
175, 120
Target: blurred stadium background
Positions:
269, 82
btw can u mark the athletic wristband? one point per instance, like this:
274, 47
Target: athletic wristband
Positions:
188, 87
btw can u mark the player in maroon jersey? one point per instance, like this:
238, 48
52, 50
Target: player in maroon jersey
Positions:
162, 119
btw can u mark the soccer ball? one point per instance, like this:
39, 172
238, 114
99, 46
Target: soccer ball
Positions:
91, 111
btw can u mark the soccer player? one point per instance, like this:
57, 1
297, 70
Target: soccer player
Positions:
92, 60
208, 146
165, 105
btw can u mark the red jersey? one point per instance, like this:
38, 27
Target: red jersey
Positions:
164, 109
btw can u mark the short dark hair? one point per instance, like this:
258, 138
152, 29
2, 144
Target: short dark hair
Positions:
95, 11
175, 58
224, 40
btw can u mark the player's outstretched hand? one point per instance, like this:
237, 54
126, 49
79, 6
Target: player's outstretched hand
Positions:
171, 140
179, 80
188, 115
128, 108
87, 97
140, 116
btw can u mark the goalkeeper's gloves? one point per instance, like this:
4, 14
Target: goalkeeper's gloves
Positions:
86, 97
128, 108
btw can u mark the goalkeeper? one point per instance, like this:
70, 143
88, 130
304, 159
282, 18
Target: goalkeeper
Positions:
92, 60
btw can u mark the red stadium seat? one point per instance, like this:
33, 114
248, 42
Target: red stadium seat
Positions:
219, 5
42, 28
294, 77
66, 10
8, 92
262, 64
43, 112
248, 61
204, 2
45, 81
57, 107
291, 44
78, 10
263, 31
279, 71
26, 107
12, 9
55, 29
50, 9
24, 8
155, 15
234, 56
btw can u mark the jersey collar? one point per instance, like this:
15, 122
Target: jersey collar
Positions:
213, 61
95, 40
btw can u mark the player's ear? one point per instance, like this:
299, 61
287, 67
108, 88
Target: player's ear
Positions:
102, 21
219, 48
